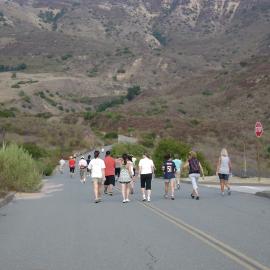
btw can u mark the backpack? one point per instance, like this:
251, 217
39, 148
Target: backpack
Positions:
194, 165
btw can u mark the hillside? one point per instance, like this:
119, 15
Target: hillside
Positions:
202, 68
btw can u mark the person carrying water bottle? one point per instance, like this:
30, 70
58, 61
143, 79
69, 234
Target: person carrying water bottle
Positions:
195, 170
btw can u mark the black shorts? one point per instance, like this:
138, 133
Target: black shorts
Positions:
117, 172
146, 181
223, 176
110, 180
72, 169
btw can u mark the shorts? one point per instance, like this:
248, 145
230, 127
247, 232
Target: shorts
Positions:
169, 180
82, 173
223, 176
72, 169
146, 181
110, 180
117, 172
97, 180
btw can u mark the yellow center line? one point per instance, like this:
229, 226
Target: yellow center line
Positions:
223, 248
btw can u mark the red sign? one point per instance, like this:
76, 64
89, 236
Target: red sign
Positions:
258, 129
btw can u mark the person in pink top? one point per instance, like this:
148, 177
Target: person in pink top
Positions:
109, 173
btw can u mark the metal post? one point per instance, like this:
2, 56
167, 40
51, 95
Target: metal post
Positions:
258, 161
245, 161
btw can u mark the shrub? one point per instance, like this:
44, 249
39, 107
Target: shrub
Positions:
135, 149
133, 92
18, 170
7, 113
111, 135
148, 140
89, 115
34, 150
171, 146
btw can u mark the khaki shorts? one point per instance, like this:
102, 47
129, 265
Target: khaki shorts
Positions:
169, 180
97, 180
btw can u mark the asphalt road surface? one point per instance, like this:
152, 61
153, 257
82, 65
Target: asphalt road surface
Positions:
62, 229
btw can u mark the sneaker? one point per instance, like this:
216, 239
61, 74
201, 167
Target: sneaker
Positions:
110, 193
197, 198
172, 198
124, 201
148, 199
99, 200
127, 200
178, 186
165, 196
144, 199
96, 201
229, 191
192, 196
222, 193
105, 191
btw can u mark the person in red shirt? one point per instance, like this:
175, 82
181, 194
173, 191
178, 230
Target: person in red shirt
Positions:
72, 164
109, 173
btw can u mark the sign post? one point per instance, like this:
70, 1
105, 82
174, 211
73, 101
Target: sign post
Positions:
258, 133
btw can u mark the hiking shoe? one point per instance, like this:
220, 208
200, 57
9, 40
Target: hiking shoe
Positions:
178, 186
165, 196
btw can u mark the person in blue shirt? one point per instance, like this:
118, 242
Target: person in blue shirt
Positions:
178, 164
169, 170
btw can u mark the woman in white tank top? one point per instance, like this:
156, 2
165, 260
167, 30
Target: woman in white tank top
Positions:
224, 169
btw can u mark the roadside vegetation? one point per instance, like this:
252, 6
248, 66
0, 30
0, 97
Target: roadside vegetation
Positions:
19, 171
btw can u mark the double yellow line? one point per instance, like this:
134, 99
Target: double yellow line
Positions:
233, 254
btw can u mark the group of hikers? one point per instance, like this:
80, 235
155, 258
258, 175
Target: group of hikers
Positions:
105, 172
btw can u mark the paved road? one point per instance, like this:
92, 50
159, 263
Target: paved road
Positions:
62, 228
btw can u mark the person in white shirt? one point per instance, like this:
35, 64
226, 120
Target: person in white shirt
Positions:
146, 170
61, 165
97, 169
82, 167
224, 169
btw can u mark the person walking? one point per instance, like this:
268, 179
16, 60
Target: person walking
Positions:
125, 177
97, 169
146, 170
88, 161
178, 164
169, 170
132, 183
62, 163
118, 162
195, 170
72, 164
109, 173
224, 169
82, 166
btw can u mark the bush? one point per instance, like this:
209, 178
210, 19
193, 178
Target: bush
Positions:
18, 170
170, 146
136, 150
133, 92
111, 135
34, 150
148, 140
7, 113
